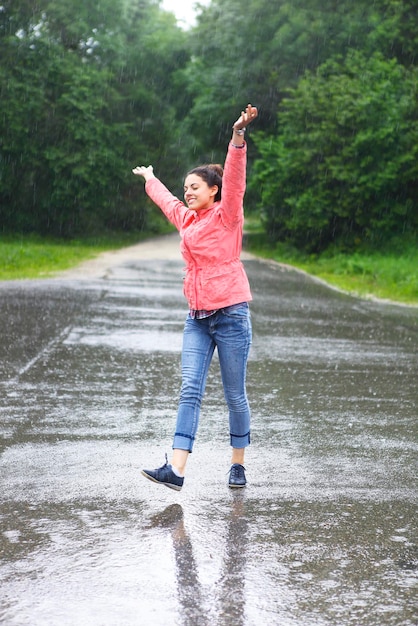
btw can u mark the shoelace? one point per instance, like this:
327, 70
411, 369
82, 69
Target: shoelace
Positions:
236, 471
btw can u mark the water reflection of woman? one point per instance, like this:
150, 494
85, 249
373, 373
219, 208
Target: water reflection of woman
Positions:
230, 589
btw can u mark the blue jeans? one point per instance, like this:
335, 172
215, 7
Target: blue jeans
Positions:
229, 330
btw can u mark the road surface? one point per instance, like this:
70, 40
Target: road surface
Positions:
324, 534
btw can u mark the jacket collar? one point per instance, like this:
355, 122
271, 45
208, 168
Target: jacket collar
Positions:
199, 215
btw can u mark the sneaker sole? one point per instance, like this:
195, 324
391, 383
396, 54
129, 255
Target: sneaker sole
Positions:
237, 486
159, 482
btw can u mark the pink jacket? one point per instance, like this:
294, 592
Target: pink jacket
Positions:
211, 239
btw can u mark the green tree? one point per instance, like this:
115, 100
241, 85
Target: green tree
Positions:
254, 50
86, 89
343, 165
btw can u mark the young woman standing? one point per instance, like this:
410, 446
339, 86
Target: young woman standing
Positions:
210, 224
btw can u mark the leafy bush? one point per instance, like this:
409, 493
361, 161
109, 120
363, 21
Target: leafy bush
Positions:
343, 166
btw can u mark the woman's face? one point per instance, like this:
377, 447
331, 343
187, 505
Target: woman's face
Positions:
197, 193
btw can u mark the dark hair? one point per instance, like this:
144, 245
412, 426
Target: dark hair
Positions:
212, 174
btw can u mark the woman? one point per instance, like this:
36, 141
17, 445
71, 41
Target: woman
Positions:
218, 292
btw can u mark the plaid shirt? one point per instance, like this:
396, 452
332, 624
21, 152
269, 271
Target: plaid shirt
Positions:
200, 315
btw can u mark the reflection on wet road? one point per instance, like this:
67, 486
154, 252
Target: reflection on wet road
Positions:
325, 533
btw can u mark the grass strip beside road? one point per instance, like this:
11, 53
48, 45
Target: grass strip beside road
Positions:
26, 257
387, 277
391, 275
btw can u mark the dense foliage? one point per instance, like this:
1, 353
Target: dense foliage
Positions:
336, 85
88, 88
344, 164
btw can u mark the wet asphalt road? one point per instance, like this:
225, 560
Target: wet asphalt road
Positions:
325, 532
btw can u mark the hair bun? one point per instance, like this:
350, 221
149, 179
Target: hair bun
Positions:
216, 167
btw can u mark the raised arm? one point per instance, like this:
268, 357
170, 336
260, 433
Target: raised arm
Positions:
234, 178
173, 208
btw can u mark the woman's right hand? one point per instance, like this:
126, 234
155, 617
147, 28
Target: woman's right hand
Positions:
145, 172
246, 117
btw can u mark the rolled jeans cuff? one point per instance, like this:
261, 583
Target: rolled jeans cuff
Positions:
240, 441
183, 442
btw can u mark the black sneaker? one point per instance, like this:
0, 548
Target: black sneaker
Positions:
165, 476
237, 476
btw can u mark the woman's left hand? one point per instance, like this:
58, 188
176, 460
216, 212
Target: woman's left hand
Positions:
246, 117
145, 172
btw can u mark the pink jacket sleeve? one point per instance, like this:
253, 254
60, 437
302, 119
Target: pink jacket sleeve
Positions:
173, 208
233, 185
